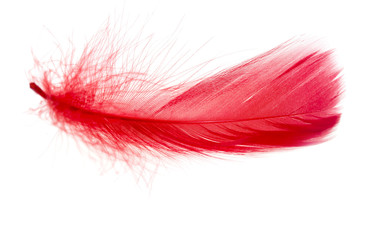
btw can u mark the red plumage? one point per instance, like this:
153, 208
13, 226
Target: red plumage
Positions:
286, 97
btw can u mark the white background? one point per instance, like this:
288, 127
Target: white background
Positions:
49, 189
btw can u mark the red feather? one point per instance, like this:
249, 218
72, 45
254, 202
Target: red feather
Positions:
286, 97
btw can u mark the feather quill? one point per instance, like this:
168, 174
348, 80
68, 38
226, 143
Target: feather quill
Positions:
286, 97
